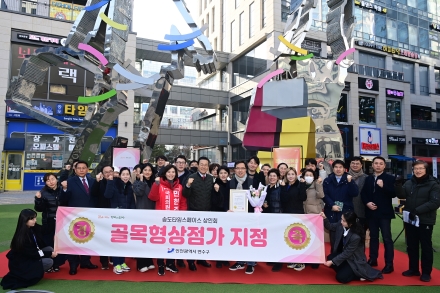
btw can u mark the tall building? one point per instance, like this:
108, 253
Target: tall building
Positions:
392, 92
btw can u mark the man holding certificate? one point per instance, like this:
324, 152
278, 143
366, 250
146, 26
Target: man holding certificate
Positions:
422, 194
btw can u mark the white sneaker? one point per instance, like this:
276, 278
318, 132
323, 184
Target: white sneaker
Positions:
151, 267
143, 270
299, 267
291, 265
362, 279
117, 270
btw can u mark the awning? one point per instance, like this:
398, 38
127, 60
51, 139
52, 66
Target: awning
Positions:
401, 158
426, 159
14, 144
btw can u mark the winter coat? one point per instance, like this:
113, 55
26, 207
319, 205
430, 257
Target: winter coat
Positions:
353, 252
313, 204
48, 204
76, 195
422, 198
168, 197
220, 199
120, 194
246, 186
343, 191
184, 178
381, 196
142, 190
25, 266
359, 207
292, 198
198, 195
98, 191
273, 199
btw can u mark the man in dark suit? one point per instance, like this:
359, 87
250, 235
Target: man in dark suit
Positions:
77, 193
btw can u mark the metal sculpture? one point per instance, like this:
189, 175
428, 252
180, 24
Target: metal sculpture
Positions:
315, 85
97, 42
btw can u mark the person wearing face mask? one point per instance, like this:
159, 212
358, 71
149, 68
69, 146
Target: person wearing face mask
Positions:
166, 184
193, 166
120, 192
141, 188
315, 193
348, 254
220, 199
293, 194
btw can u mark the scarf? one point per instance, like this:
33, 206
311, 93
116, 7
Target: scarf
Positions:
240, 181
421, 179
355, 175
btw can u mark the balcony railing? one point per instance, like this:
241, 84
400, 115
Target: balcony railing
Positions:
376, 72
62, 10
426, 125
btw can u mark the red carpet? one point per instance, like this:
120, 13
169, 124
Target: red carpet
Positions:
262, 274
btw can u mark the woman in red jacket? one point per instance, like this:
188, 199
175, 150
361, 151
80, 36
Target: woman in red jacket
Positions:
167, 193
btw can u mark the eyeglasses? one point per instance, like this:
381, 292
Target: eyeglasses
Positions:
419, 169
240, 168
180, 162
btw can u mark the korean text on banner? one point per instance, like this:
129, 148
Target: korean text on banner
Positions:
290, 156
190, 235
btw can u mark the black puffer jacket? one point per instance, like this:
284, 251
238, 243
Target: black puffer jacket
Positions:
422, 198
273, 199
48, 204
199, 194
293, 197
120, 194
220, 199
142, 190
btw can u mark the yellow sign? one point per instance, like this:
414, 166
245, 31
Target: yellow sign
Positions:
64, 11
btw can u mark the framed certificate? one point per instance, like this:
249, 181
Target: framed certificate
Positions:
238, 201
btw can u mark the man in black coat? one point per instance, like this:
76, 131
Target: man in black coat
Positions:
98, 190
257, 178
198, 194
377, 194
77, 193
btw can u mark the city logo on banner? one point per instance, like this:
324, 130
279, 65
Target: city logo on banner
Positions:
81, 230
297, 236
389, 49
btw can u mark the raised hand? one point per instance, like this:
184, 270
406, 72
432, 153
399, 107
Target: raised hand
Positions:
190, 181
379, 182
349, 177
216, 187
38, 194
64, 184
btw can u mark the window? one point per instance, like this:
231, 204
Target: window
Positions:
367, 110
437, 81
420, 113
239, 153
424, 80
232, 35
241, 29
402, 32
394, 117
224, 25
413, 38
342, 114
263, 13
392, 29
285, 10
207, 21
408, 72
423, 38
237, 3
251, 20
240, 112
249, 65
213, 19
372, 60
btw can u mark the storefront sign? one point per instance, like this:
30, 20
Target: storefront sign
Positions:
432, 141
370, 141
389, 49
64, 11
394, 139
368, 5
391, 93
434, 167
290, 238
290, 156
368, 84
435, 26
41, 39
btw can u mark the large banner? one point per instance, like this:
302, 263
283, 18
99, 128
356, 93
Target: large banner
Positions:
126, 157
190, 235
291, 156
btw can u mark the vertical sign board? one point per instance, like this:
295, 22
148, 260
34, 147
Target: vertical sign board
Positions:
434, 167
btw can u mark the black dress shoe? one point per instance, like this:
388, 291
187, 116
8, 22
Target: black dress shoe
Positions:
425, 278
72, 272
410, 273
204, 263
372, 263
218, 265
388, 269
89, 266
181, 263
192, 266
277, 267
226, 263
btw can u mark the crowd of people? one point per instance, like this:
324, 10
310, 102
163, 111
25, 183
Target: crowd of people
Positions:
349, 202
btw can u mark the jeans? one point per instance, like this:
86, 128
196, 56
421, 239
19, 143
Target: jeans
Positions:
385, 228
47, 262
249, 263
117, 260
414, 236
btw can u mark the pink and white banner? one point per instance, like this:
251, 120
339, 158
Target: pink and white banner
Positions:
190, 235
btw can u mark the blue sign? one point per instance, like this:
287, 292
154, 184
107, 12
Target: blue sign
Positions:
39, 182
59, 110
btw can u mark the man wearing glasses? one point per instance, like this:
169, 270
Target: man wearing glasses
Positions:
377, 194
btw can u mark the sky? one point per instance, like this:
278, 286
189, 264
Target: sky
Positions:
152, 19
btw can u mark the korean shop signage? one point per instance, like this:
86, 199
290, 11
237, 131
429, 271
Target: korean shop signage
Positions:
40, 39
372, 6
392, 93
394, 139
368, 84
389, 49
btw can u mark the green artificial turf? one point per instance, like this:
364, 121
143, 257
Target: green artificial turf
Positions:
8, 219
